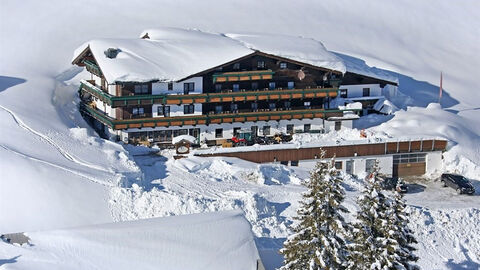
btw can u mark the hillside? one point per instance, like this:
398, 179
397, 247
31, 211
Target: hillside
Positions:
57, 173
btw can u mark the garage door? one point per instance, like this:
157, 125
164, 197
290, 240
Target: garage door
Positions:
409, 164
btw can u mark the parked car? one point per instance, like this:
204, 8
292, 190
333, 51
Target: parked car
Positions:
395, 184
457, 182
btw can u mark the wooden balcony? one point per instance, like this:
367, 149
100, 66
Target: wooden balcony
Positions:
92, 67
209, 119
241, 96
243, 76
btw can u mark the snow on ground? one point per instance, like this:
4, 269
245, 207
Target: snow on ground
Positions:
221, 240
57, 173
463, 136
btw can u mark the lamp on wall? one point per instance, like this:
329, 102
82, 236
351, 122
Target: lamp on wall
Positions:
355, 154
275, 159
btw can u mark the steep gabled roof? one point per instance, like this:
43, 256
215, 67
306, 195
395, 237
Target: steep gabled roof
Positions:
173, 54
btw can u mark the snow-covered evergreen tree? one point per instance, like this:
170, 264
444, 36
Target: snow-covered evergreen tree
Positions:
373, 245
318, 241
402, 234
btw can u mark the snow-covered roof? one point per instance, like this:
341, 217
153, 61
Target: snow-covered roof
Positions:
305, 50
172, 54
180, 138
217, 240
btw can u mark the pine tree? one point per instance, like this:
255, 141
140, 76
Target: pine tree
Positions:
402, 234
373, 246
318, 239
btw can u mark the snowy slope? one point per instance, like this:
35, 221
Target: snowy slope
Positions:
220, 240
56, 173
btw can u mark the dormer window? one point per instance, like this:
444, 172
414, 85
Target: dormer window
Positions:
170, 86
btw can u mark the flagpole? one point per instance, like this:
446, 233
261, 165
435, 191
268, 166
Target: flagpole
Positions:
441, 87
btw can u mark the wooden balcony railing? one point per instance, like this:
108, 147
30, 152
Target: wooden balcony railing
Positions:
209, 119
277, 94
92, 67
243, 76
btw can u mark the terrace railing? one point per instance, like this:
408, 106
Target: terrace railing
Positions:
278, 94
208, 119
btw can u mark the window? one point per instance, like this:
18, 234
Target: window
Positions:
235, 131
272, 106
254, 106
271, 85
307, 127
366, 92
163, 110
343, 93
369, 165
170, 86
266, 130
218, 88
236, 66
338, 125
234, 107
218, 109
219, 133
141, 88
338, 165
306, 104
291, 85
188, 87
288, 105
289, 129
138, 111
260, 64
409, 158
254, 130
236, 87
283, 65
188, 109
254, 85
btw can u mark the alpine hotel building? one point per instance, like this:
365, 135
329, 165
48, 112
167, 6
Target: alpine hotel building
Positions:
173, 82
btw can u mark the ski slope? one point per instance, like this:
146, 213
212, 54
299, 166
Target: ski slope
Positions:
56, 173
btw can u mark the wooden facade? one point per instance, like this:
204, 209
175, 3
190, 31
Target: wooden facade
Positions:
341, 151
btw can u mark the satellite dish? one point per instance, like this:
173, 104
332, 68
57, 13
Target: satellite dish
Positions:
301, 75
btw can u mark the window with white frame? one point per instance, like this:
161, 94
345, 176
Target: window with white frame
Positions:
266, 130
236, 66
306, 104
283, 65
219, 133
260, 64
163, 110
343, 93
188, 109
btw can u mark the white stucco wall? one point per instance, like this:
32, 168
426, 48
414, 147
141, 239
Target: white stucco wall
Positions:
357, 90
359, 164
434, 162
177, 110
162, 87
